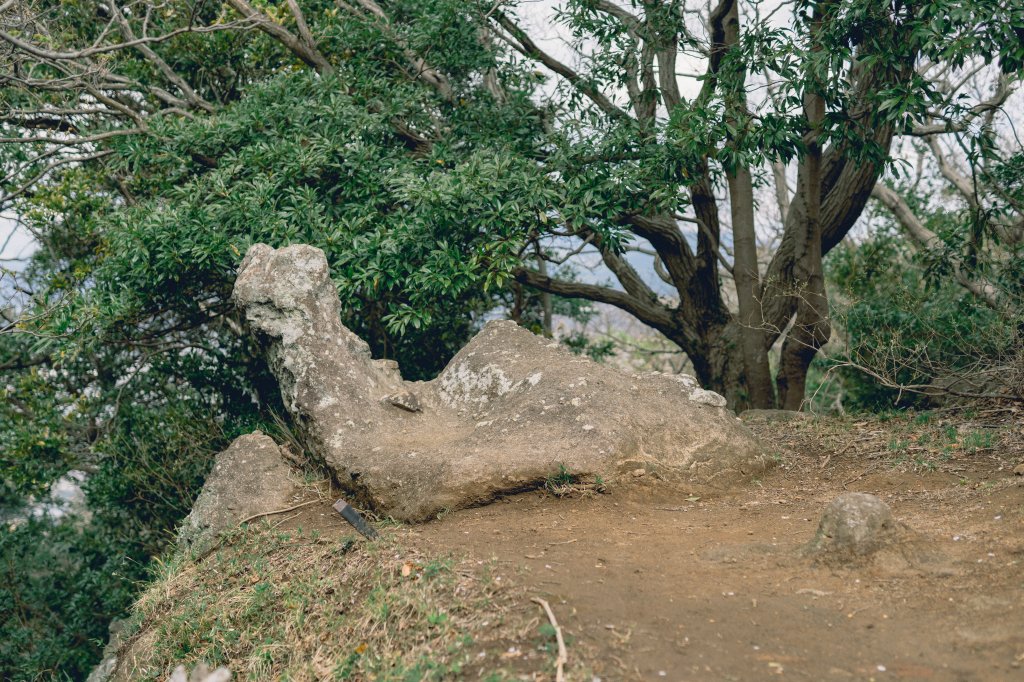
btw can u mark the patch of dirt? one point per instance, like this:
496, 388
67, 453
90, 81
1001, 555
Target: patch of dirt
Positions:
654, 582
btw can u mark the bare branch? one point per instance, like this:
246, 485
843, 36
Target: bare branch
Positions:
307, 53
652, 314
25, 187
161, 65
1004, 88
72, 141
51, 55
964, 186
781, 188
925, 239
300, 24
523, 44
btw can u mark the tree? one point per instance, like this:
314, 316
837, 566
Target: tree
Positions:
843, 78
930, 302
442, 157
144, 174
618, 158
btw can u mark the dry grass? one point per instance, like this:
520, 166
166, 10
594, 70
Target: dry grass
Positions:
298, 606
950, 442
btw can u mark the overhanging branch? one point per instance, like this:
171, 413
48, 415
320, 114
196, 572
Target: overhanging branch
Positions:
648, 312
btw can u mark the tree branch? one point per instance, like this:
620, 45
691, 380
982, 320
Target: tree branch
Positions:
307, 53
925, 239
523, 44
161, 65
649, 312
421, 69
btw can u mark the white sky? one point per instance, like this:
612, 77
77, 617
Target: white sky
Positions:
16, 244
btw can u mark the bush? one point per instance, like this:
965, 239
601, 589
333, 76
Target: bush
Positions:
906, 336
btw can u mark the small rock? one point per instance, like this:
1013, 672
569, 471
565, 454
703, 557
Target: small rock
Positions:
405, 400
250, 477
201, 673
1019, 469
853, 525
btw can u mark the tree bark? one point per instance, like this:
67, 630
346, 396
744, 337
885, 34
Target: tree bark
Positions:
811, 327
545, 298
746, 274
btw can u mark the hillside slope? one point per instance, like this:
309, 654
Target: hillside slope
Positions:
647, 581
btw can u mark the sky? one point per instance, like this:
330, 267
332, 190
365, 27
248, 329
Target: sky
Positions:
16, 243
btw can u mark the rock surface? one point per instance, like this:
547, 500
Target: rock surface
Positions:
854, 525
506, 413
250, 477
104, 670
200, 673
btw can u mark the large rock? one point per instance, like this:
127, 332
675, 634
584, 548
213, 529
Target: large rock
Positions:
104, 670
506, 413
250, 477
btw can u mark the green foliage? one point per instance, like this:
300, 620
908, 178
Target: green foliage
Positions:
561, 478
60, 584
65, 579
34, 441
134, 373
425, 203
906, 324
580, 344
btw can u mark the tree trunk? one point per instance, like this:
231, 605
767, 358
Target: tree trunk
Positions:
718, 362
811, 327
758, 378
545, 299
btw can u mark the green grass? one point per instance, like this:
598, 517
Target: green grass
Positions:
565, 483
299, 606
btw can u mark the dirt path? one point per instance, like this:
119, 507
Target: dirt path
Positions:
650, 583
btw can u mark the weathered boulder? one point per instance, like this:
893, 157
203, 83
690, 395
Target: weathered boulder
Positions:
854, 526
858, 530
250, 477
506, 413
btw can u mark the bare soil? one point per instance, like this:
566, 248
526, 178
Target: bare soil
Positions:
653, 582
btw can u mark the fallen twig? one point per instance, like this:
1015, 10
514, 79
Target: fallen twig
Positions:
286, 519
563, 656
277, 511
860, 475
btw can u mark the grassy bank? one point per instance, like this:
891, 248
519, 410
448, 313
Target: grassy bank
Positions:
298, 605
